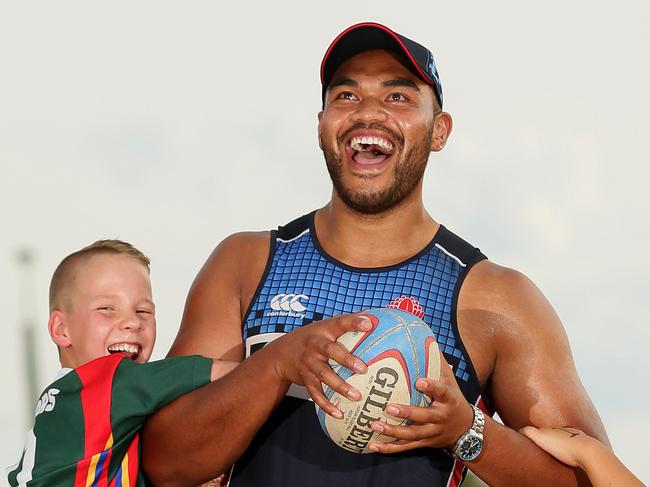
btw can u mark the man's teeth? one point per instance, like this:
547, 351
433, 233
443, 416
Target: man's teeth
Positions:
124, 347
362, 143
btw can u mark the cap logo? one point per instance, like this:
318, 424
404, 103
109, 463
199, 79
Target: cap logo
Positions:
432, 68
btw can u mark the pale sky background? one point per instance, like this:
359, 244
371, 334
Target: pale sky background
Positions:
174, 124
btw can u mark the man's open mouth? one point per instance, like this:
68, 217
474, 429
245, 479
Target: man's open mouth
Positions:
129, 350
370, 149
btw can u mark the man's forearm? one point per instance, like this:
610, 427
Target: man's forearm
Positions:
509, 458
199, 435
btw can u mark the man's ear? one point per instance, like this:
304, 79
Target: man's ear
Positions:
58, 329
320, 139
442, 126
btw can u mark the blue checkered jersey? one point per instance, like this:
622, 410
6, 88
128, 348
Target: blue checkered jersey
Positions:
302, 284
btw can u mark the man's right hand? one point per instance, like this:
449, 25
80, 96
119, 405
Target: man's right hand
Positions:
303, 356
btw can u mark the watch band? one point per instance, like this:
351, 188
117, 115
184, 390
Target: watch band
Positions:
479, 420
478, 425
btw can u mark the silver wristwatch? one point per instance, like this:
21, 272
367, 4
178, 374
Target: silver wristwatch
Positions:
470, 444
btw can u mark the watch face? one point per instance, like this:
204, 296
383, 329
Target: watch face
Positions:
470, 448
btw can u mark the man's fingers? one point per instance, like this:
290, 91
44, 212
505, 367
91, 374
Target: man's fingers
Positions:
415, 414
330, 348
362, 323
320, 350
324, 374
446, 370
436, 389
413, 432
342, 324
337, 352
315, 391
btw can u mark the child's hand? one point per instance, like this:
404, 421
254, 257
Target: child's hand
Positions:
566, 444
578, 449
221, 368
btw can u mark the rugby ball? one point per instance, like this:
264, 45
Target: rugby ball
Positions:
398, 349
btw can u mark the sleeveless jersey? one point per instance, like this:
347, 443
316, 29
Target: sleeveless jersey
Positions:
302, 284
86, 430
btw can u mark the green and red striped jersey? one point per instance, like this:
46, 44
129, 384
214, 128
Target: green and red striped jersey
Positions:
86, 430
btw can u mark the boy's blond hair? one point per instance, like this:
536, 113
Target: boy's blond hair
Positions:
65, 272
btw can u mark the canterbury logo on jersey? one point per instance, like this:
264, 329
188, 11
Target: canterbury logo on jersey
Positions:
288, 305
288, 302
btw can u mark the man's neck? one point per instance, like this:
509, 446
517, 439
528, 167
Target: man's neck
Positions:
374, 240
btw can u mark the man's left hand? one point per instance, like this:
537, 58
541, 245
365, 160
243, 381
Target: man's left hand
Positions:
439, 425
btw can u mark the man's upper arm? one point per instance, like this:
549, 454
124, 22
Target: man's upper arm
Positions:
213, 313
534, 380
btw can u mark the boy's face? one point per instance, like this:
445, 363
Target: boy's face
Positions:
109, 309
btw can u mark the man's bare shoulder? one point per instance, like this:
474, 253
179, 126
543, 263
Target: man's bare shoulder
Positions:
248, 238
499, 290
220, 294
501, 312
508, 304
487, 311
246, 254
244, 244
241, 253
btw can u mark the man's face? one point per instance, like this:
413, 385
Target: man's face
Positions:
376, 131
109, 310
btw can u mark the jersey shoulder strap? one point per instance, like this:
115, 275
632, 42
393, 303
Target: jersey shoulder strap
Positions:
464, 253
294, 229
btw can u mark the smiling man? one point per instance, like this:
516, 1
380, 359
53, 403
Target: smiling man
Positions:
374, 244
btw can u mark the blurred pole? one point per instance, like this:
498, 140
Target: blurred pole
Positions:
26, 302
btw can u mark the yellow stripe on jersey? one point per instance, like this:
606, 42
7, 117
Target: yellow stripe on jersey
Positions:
90, 478
125, 471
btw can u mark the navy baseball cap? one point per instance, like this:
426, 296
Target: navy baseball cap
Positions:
368, 36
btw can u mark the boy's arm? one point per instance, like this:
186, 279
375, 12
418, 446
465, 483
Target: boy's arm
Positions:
142, 389
577, 449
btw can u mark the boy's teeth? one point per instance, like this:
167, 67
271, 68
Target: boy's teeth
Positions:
124, 347
359, 142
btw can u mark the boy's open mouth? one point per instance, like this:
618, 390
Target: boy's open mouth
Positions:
129, 350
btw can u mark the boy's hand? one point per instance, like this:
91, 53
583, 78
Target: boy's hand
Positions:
302, 358
566, 444
221, 368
